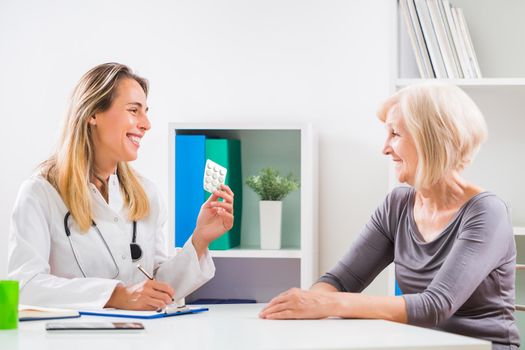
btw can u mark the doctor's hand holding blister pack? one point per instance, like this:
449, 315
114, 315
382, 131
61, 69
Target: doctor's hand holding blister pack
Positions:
84, 224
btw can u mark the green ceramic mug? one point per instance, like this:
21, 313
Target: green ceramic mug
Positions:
8, 304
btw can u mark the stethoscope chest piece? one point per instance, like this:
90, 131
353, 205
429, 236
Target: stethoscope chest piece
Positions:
136, 252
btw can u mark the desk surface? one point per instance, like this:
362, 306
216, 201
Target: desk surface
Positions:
238, 327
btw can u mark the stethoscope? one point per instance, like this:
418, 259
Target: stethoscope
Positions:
136, 251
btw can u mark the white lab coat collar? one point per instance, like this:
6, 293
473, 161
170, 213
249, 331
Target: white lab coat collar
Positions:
116, 201
115, 197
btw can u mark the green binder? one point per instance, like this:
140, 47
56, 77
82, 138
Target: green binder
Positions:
228, 154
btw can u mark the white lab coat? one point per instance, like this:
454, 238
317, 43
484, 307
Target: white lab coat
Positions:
41, 258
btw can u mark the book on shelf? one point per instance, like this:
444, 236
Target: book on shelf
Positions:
416, 38
468, 43
445, 47
440, 39
448, 31
191, 152
227, 152
431, 39
36, 313
458, 41
189, 195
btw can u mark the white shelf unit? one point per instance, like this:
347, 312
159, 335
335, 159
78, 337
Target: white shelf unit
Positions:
248, 272
488, 82
519, 231
519, 236
256, 252
496, 30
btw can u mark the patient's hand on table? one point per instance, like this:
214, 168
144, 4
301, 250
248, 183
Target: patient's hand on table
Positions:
296, 303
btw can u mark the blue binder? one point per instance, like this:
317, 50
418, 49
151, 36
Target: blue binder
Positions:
189, 196
397, 289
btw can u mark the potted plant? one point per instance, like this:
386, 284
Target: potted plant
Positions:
271, 189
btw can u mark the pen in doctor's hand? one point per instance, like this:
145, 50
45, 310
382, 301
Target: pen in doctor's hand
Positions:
150, 278
145, 272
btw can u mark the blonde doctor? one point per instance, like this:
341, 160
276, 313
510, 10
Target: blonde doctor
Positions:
82, 224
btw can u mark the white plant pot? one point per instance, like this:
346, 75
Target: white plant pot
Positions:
270, 213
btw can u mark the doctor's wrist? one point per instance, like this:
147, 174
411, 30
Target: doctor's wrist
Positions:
200, 244
118, 297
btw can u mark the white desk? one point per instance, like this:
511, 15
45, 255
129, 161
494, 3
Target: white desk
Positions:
238, 327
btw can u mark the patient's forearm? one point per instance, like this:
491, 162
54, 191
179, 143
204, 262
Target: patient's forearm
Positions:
357, 305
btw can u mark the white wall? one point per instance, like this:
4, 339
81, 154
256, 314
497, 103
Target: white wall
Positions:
322, 61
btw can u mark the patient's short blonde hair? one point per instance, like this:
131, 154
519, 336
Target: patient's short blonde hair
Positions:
447, 127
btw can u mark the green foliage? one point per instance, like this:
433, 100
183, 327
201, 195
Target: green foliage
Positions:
270, 186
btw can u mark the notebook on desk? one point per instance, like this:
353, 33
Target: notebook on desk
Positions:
145, 315
37, 313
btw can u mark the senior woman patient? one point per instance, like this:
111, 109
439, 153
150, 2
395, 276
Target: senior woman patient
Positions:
451, 240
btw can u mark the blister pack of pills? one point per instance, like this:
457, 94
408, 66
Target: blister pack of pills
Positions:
214, 175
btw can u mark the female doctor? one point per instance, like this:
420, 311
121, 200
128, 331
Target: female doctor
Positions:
83, 224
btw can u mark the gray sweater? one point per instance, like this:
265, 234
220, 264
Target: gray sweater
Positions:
460, 282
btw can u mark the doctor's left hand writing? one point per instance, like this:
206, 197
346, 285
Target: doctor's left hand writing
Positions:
215, 218
147, 295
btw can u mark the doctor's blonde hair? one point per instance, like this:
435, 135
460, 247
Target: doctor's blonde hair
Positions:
447, 126
69, 169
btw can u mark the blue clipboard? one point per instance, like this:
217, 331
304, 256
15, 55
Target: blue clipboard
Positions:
144, 316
